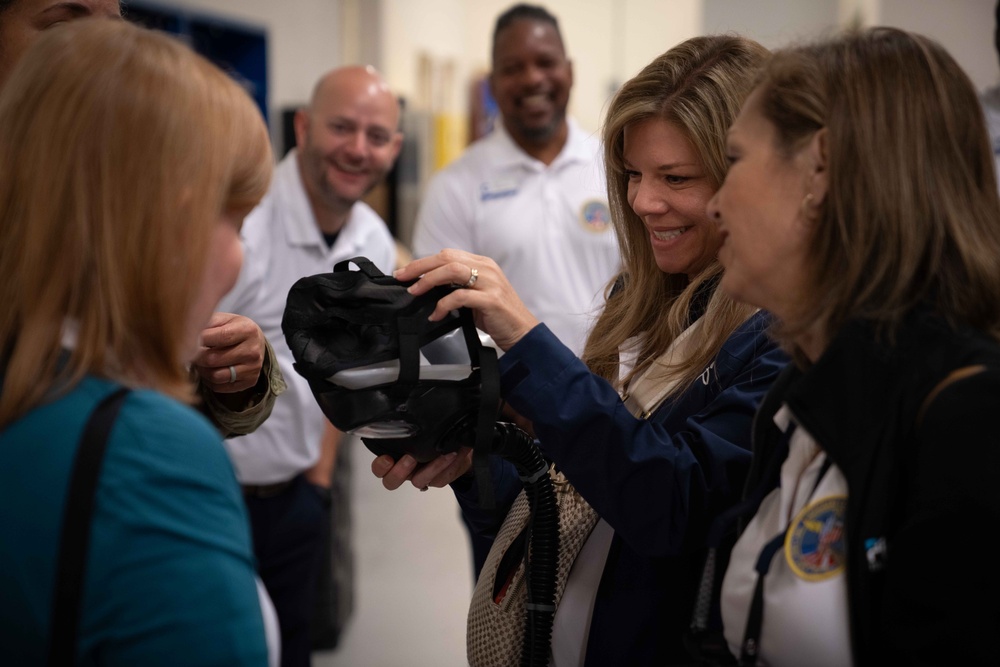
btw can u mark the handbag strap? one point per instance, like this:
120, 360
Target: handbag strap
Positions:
75, 534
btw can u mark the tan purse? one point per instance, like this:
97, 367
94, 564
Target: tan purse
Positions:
495, 632
496, 614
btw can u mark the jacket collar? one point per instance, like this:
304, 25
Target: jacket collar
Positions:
867, 389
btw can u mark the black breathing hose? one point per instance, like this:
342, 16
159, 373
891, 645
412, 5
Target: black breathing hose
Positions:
516, 446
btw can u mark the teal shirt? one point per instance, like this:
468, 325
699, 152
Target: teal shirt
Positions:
170, 571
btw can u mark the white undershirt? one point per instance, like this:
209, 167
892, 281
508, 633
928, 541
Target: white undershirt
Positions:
805, 620
272, 633
571, 624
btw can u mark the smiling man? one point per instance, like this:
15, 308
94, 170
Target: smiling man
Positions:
348, 141
531, 195
312, 217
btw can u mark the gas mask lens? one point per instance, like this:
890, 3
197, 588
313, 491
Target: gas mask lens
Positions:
386, 430
444, 358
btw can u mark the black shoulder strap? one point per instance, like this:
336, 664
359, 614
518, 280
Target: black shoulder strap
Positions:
75, 535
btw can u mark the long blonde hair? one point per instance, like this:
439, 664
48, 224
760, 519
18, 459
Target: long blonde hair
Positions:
912, 214
698, 86
119, 149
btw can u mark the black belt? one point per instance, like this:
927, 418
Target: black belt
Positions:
267, 490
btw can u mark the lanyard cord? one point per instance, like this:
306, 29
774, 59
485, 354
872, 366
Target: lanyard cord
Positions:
751, 636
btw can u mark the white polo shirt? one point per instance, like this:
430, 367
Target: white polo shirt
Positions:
547, 227
805, 618
282, 243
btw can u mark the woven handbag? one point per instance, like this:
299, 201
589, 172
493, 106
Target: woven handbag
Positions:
496, 614
495, 631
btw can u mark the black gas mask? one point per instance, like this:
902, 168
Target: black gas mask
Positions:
380, 369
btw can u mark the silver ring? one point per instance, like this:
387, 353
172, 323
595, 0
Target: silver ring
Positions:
232, 374
423, 488
472, 279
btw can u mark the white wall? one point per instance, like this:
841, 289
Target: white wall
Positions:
773, 23
858, 12
431, 50
964, 27
608, 41
650, 27
303, 41
447, 43
432, 28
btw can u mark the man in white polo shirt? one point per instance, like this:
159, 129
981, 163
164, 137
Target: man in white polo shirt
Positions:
531, 195
311, 218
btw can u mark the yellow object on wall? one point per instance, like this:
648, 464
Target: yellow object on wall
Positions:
450, 137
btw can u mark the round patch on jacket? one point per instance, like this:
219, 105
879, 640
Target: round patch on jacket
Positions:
815, 547
595, 215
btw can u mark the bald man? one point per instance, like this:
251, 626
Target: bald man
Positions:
347, 140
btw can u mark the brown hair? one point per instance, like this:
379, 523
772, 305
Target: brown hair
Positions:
912, 214
119, 150
699, 86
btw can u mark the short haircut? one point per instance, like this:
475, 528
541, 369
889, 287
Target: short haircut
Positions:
524, 12
120, 148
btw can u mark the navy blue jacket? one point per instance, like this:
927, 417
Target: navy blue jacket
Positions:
657, 482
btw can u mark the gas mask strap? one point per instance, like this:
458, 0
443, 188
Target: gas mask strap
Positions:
489, 376
472, 342
366, 265
409, 348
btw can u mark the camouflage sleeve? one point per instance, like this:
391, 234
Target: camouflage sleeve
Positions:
258, 403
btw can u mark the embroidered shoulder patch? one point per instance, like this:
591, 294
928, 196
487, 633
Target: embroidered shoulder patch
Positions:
815, 547
595, 215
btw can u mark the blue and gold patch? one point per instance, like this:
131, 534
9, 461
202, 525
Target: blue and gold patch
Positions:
815, 547
595, 215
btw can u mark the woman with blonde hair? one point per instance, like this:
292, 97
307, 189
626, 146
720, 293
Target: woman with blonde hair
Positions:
861, 209
652, 428
127, 163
